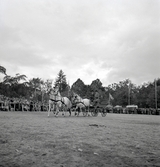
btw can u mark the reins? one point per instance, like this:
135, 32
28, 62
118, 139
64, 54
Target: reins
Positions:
80, 101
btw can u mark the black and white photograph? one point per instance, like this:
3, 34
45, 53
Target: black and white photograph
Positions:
79, 83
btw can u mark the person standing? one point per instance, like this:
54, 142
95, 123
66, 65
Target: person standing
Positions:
96, 98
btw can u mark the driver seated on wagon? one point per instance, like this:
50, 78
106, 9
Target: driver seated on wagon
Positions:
95, 99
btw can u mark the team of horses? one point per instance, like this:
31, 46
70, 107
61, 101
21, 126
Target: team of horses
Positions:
59, 103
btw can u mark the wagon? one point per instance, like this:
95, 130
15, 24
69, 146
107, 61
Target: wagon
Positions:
85, 106
93, 110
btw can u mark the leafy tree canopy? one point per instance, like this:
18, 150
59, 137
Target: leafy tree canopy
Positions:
61, 81
122, 92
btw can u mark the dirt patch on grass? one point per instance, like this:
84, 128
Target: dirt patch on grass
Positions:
32, 139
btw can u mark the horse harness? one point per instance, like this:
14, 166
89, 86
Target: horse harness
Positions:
56, 101
79, 102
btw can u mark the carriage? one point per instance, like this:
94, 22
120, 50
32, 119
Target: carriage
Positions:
76, 104
95, 110
87, 107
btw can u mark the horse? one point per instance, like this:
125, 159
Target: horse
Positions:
81, 104
59, 102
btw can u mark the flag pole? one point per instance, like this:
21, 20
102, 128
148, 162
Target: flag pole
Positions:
155, 95
129, 94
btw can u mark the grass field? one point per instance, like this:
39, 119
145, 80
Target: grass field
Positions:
32, 139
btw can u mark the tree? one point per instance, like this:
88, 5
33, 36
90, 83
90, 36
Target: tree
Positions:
79, 87
123, 92
61, 81
96, 84
3, 70
47, 85
158, 92
35, 86
15, 86
14, 80
158, 82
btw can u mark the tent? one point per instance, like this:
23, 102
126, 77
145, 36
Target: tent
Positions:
118, 107
132, 109
132, 106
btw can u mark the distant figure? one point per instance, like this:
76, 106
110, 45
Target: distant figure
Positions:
92, 96
96, 98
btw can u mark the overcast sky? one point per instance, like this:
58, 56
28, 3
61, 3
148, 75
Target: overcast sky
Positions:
88, 39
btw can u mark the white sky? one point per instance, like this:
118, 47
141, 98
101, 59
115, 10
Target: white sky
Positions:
88, 39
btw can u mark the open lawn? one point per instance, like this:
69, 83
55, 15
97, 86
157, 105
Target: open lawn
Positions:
32, 139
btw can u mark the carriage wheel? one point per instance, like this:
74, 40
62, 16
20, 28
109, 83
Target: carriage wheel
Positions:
95, 112
104, 112
84, 111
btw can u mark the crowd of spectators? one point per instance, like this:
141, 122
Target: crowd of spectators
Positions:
146, 111
21, 104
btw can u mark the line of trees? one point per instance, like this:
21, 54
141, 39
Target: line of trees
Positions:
124, 92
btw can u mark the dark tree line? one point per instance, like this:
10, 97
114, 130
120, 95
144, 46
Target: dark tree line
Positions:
124, 92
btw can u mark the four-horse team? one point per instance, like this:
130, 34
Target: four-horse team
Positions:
59, 103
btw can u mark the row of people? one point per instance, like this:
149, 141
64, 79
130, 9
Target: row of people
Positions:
147, 111
21, 104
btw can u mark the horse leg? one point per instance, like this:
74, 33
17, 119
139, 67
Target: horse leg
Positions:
57, 110
76, 112
54, 109
63, 110
79, 110
88, 114
69, 111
